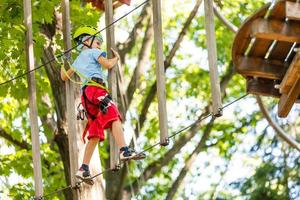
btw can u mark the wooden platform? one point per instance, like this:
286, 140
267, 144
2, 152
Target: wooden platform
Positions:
264, 52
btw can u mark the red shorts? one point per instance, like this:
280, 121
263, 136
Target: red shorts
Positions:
97, 121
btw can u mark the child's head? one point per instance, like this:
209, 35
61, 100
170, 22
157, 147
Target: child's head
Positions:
87, 37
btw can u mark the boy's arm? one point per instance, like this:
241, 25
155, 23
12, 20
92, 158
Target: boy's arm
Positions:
109, 63
117, 4
66, 74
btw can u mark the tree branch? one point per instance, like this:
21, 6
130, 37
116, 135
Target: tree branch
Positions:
48, 120
285, 137
226, 78
130, 42
216, 186
167, 63
143, 57
182, 33
155, 166
57, 85
21, 144
229, 25
190, 160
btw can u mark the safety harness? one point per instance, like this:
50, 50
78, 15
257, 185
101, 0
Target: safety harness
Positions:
105, 101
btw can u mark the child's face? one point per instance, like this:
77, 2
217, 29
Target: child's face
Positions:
96, 43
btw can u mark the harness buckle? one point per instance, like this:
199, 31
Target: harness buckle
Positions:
98, 80
81, 113
105, 102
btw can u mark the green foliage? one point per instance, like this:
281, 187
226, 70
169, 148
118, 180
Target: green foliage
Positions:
188, 88
22, 191
14, 96
264, 184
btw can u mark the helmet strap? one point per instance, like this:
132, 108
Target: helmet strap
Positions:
83, 39
93, 38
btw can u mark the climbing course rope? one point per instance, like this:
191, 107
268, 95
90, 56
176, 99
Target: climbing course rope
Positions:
77, 185
74, 47
57, 191
145, 150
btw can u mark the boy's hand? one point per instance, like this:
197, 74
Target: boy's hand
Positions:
115, 53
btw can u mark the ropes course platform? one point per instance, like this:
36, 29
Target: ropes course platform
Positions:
266, 52
99, 4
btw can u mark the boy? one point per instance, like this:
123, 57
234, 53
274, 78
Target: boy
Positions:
101, 110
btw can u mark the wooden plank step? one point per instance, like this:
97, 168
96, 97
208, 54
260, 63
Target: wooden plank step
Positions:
292, 10
242, 38
260, 48
278, 12
287, 101
258, 67
281, 50
290, 77
259, 86
274, 29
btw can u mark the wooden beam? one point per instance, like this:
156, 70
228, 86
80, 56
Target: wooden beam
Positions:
242, 38
212, 57
258, 67
263, 87
33, 114
278, 11
160, 72
70, 102
273, 29
121, 91
259, 48
291, 75
287, 101
112, 77
292, 10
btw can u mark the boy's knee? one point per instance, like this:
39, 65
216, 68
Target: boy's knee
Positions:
94, 139
117, 122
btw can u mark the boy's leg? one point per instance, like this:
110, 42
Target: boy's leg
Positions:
84, 173
117, 132
126, 152
89, 150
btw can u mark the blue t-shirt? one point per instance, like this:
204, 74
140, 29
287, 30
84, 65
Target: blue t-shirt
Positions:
87, 64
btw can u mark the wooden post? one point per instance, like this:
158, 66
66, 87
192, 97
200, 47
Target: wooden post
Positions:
121, 91
112, 77
37, 169
160, 73
72, 139
212, 57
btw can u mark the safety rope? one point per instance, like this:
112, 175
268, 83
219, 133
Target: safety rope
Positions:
74, 47
145, 150
89, 81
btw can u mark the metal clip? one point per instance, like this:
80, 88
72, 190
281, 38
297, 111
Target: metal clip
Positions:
80, 112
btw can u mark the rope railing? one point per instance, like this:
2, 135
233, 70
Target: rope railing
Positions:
77, 185
145, 150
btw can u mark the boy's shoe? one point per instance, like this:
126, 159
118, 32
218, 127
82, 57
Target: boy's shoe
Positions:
85, 176
127, 153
